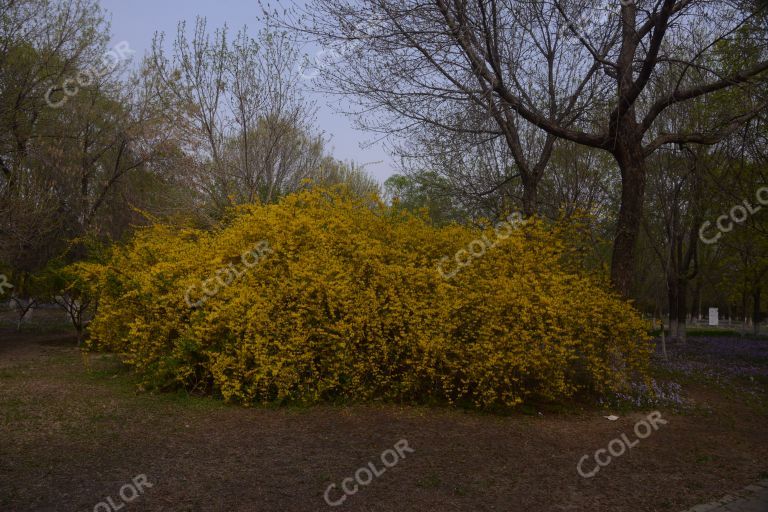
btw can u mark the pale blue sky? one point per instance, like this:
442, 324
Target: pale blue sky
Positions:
136, 21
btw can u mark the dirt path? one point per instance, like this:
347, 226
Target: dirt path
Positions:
70, 438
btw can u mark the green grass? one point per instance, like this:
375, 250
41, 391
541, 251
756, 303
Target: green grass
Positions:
704, 331
8, 374
703, 458
13, 410
39, 327
107, 370
431, 481
714, 332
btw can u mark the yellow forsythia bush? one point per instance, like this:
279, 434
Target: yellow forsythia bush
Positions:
325, 296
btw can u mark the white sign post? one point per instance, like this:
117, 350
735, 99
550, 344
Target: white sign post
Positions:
713, 317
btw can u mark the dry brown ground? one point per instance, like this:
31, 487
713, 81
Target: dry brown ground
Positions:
70, 437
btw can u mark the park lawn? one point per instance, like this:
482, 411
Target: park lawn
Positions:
73, 431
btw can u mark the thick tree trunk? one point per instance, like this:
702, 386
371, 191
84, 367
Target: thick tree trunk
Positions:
696, 302
530, 198
743, 313
672, 292
756, 311
682, 309
530, 181
629, 156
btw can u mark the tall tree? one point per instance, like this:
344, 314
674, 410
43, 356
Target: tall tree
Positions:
239, 112
594, 73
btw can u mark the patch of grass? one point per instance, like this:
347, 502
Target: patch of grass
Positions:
8, 374
703, 458
13, 410
704, 331
106, 370
39, 327
186, 400
485, 483
713, 332
460, 491
117, 379
717, 332
431, 481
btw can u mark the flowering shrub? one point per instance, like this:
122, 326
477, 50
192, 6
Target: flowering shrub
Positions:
348, 304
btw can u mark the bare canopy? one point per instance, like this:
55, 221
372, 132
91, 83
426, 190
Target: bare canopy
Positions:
597, 73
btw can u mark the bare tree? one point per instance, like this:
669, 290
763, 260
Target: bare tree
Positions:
477, 171
404, 66
239, 112
594, 73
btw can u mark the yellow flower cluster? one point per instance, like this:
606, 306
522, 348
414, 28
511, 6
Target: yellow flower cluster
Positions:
349, 305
